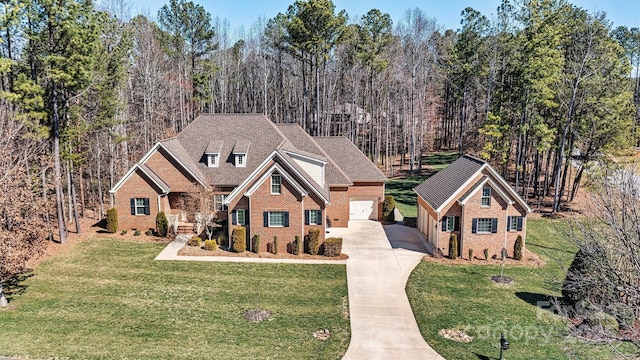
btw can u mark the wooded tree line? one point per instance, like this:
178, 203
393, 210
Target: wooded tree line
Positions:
93, 88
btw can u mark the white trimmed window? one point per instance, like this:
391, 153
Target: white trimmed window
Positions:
213, 160
486, 196
218, 202
276, 219
313, 218
140, 206
276, 184
484, 225
514, 223
451, 223
241, 160
240, 219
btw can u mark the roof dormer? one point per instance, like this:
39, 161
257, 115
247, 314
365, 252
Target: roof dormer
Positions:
212, 153
240, 150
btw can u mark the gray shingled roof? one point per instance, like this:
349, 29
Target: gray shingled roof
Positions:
175, 147
255, 129
437, 189
214, 147
154, 177
298, 139
350, 159
241, 146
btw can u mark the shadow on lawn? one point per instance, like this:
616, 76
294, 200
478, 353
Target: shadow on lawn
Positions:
540, 301
15, 285
483, 357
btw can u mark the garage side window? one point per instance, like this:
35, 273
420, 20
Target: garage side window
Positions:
140, 206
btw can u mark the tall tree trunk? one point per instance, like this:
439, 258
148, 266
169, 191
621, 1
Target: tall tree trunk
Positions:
56, 165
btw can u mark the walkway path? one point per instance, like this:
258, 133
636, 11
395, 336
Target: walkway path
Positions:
382, 323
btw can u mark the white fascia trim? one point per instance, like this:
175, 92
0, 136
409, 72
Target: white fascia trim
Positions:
236, 191
282, 173
159, 145
129, 173
462, 187
294, 154
493, 186
260, 167
515, 195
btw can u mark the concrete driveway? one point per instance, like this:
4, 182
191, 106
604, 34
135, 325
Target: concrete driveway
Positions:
380, 262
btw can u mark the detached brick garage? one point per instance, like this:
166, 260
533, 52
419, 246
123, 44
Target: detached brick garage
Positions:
273, 179
469, 198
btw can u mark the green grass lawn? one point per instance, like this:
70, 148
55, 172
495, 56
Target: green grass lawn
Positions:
463, 296
108, 299
402, 188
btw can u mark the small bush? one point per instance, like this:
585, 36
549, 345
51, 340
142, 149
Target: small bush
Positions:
149, 232
453, 246
112, 220
298, 245
314, 241
239, 239
195, 241
137, 232
256, 244
123, 232
210, 245
517, 248
470, 254
332, 247
486, 254
387, 208
275, 245
623, 313
602, 321
162, 224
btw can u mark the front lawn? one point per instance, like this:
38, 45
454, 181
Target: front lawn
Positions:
108, 299
462, 296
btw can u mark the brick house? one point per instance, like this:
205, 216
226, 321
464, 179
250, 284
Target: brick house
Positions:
469, 198
274, 179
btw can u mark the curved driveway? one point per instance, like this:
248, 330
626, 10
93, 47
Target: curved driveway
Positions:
380, 262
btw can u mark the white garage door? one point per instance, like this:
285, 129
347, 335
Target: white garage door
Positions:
363, 209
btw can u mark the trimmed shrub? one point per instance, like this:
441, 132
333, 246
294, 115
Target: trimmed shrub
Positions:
623, 313
470, 254
387, 208
486, 254
332, 247
162, 224
195, 241
210, 245
136, 232
517, 248
149, 232
314, 241
298, 245
275, 245
239, 239
602, 321
123, 232
112, 220
256, 243
453, 246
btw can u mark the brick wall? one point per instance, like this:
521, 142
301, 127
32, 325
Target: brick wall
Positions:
473, 208
136, 187
170, 172
338, 210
